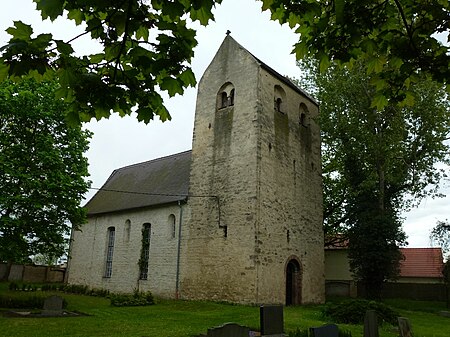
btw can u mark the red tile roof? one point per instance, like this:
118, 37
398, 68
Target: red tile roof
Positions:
421, 262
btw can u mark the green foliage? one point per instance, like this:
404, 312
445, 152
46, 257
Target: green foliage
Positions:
83, 290
132, 300
376, 163
43, 171
191, 318
305, 333
396, 39
441, 234
353, 312
146, 46
24, 302
299, 333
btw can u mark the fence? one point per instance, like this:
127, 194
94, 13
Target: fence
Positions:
32, 273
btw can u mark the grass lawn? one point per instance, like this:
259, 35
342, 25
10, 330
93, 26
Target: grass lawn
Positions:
186, 318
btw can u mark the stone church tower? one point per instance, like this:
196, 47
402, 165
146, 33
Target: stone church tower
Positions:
254, 233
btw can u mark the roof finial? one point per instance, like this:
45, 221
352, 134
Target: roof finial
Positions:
228, 32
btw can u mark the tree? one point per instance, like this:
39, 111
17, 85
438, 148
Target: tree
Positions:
376, 163
146, 46
441, 234
42, 172
398, 40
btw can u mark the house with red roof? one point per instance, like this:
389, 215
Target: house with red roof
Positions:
420, 275
421, 265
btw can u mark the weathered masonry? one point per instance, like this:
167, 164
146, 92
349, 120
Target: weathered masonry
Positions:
238, 218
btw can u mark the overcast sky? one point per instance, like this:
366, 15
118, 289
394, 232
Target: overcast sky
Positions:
119, 141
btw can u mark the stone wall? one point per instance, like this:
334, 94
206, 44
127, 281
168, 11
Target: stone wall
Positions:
32, 273
218, 257
88, 251
265, 170
290, 192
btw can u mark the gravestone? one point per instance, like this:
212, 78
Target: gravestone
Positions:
53, 305
271, 320
329, 330
371, 324
228, 330
404, 327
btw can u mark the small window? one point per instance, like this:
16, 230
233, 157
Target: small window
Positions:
279, 99
225, 96
172, 226
109, 251
126, 231
303, 115
145, 251
278, 102
224, 100
231, 100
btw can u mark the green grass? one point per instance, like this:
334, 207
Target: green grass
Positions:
187, 318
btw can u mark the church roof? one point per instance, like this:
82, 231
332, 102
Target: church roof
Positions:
151, 183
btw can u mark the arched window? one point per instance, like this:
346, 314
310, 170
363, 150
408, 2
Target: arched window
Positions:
225, 96
109, 251
279, 99
127, 230
303, 115
172, 226
278, 102
224, 100
145, 251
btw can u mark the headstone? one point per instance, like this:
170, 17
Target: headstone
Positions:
271, 320
371, 324
53, 305
404, 327
444, 313
329, 330
229, 330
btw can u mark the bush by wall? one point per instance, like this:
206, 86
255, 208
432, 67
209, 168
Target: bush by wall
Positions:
135, 299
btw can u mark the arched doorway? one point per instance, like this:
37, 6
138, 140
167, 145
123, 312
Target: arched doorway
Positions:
293, 283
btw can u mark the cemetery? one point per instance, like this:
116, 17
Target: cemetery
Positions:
209, 319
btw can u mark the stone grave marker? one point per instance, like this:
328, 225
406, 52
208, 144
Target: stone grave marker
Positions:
271, 320
329, 330
371, 324
404, 327
53, 305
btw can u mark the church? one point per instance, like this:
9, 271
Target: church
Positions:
238, 218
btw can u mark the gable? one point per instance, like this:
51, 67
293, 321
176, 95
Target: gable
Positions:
151, 183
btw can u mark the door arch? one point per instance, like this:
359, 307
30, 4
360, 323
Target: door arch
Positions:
293, 282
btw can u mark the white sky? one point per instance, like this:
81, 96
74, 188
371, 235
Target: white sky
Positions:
119, 141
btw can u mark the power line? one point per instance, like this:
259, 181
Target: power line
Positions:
157, 194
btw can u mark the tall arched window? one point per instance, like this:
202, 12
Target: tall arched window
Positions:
145, 251
127, 230
279, 99
172, 226
109, 251
303, 115
225, 96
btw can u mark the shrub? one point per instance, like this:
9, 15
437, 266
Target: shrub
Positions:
299, 333
75, 289
135, 299
305, 333
353, 312
24, 302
